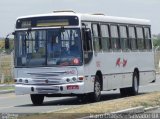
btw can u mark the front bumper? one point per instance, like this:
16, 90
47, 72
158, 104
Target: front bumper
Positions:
74, 88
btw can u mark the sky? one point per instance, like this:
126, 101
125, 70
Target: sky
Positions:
145, 9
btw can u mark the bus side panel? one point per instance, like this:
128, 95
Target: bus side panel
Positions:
89, 74
113, 81
106, 64
127, 80
146, 77
144, 62
118, 68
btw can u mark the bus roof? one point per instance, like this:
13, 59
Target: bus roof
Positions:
113, 19
94, 17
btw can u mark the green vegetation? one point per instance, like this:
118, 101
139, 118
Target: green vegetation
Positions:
2, 46
7, 88
156, 40
6, 61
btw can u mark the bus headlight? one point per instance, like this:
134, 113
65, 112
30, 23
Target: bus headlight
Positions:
26, 81
20, 80
74, 79
71, 79
68, 80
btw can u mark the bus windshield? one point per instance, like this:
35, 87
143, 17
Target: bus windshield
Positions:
54, 47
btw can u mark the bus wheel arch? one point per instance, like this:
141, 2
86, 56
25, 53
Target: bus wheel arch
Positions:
136, 70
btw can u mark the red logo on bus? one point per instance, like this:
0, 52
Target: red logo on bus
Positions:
120, 62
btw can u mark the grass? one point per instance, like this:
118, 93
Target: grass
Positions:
146, 100
1, 44
7, 88
5, 68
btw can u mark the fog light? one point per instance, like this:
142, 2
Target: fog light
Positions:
46, 81
61, 88
32, 89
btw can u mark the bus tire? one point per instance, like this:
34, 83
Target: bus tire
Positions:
37, 99
96, 95
124, 92
135, 85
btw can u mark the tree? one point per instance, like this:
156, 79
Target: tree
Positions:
156, 40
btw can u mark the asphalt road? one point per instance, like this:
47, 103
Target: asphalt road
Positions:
10, 103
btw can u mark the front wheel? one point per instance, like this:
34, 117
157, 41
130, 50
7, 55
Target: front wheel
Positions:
37, 99
96, 95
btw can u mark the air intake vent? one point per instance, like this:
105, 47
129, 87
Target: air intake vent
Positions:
58, 11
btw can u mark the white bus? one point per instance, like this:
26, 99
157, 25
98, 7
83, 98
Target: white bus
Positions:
67, 53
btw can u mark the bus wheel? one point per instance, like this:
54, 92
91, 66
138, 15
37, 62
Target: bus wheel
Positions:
135, 85
96, 95
37, 99
124, 92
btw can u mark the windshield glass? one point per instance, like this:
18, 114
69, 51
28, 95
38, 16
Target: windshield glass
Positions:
58, 47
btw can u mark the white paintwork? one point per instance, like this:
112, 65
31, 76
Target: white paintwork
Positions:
113, 76
90, 17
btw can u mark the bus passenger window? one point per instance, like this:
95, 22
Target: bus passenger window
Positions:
124, 38
105, 37
140, 38
114, 37
132, 37
147, 36
96, 37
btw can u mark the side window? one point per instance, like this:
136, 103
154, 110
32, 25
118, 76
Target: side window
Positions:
123, 38
87, 43
147, 36
96, 37
105, 37
114, 37
140, 38
132, 37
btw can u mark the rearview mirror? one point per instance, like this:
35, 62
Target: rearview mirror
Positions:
7, 40
7, 43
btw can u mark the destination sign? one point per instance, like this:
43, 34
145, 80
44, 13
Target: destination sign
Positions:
47, 21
